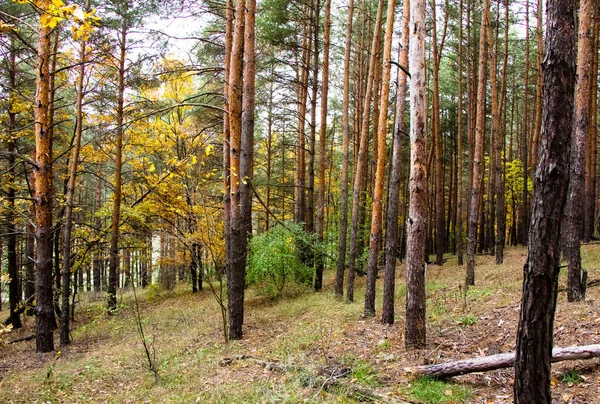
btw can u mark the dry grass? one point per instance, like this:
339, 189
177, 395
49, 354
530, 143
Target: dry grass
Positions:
314, 331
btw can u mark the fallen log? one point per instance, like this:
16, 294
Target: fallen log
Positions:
499, 361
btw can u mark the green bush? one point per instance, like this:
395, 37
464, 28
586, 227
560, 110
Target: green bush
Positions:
274, 262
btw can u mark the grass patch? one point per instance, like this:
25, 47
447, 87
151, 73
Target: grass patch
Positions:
571, 377
429, 391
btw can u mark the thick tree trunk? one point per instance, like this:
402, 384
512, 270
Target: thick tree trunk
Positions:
535, 334
341, 264
572, 222
477, 174
415, 330
376, 230
43, 193
391, 239
500, 361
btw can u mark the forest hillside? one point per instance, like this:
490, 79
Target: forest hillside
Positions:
318, 348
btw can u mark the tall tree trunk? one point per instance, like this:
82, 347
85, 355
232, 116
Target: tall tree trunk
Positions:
538, 109
540, 284
375, 238
43, 192
98, 255
459, 207
415, 330
572, 221
113, 270
363, 156
341, 264
496, 141
391, 239
524, 213
500, 163
66, 266
14, 291
319, 263
478, 152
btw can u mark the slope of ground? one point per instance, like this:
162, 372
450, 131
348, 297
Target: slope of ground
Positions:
334, 354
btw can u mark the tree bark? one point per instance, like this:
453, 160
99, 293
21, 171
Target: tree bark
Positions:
376, 230
320, 259
500, 361
341, 264
415, 331
572, 221
43, 193
113, 269
459, 216
535, 333
363, 156
477, 174
391, 239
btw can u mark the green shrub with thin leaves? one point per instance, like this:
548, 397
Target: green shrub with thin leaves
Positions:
273, 262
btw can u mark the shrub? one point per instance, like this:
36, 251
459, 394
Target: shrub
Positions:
274, 261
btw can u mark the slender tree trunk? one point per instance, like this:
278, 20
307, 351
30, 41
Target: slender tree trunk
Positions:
478, 156
43, 192
320, 259
299, 189
459, 208
98, 256
14, 292
495, 170
572, 221
538, 109
113, 270
66, 266
524, 213
415, 330
375, 238
391, 239
341, 264
540, 284
363, 156
501, 161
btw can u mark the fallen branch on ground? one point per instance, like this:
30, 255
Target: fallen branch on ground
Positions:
29, 338
283, 367
492, 362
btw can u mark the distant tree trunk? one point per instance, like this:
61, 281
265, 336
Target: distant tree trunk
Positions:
320, 259
437, 138
300, 174
375, 238
66, 265
572, 221
415, 330
540, 284
98, 256
43, 192
341, 264
196, 267
269, 153
495, 169
524, 212
113, 270
391, 239
538, 108
500, 163
478, 156
363, 156
590, 172
459, 223
14, 292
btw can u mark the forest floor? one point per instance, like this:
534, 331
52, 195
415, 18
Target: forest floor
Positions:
320, 336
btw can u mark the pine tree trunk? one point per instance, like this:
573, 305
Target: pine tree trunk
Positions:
415, 330
540, 284
459, 216
375, 238
113, 269
43, 193
391, 239
320, 259
478, 150
572, 221
341, 264
66, 265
